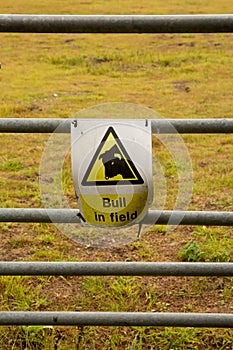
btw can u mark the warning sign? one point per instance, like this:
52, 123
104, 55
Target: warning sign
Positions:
112, 170
111, 164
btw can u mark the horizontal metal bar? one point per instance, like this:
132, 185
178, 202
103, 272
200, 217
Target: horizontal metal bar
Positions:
8, 268
116, 23
35, 125
159, 126
192, 126
175, 217
158, 217
161, 319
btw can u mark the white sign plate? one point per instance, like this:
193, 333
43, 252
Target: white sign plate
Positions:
112, 170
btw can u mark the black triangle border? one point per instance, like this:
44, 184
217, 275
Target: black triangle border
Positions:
137, 181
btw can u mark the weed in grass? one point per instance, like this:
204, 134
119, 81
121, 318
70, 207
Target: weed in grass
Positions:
47, 239
17, 293
210, 244
212, 252
47, 254
191, 252
31, 338
12, 166
5, 228
19, 242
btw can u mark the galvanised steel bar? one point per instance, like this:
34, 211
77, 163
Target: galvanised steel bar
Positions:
39, 215
192, 126
116, 23
158, 217
159, 126
34, 125
168, 319
175, 217
8, 268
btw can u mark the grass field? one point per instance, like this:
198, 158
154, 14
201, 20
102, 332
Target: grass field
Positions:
56, 76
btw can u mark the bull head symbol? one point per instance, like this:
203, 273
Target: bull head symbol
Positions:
114, 164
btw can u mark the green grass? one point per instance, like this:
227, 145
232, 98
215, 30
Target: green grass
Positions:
213, 244
56, 76
18, 293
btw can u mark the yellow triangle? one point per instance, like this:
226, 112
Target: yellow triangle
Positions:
111, 164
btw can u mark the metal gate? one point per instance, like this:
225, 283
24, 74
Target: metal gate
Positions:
116, 24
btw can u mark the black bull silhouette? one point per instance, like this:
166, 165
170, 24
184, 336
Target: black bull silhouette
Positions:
115, 165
